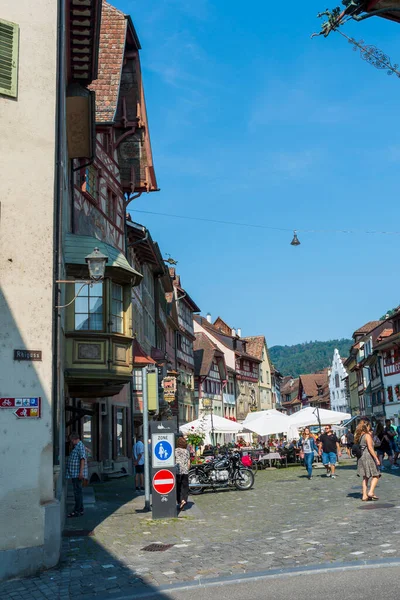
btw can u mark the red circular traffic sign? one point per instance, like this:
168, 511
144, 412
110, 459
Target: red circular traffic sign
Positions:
163, 481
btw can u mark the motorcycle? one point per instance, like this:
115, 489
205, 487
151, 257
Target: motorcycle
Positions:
223, 472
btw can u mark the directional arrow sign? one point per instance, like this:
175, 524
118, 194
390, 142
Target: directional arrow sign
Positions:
27, 413
163, 481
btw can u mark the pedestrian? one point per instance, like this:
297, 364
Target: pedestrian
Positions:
343, 443
368, 462
391, 434
182, 459
138, 463
350, 440
329, 449
77, 470
308, 446
383, 446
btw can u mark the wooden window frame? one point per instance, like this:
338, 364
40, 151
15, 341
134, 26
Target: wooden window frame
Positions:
94, 198
11, 91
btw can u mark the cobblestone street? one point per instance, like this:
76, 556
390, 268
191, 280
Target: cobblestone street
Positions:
285, 521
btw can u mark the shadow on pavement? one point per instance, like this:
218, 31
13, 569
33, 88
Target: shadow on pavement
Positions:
88, 569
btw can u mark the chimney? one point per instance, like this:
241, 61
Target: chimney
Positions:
233, 332
172, 272
208, 317
240, 332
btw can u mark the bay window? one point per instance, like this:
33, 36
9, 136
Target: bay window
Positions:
117, 308
89, 307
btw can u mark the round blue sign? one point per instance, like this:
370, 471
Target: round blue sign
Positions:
163, 450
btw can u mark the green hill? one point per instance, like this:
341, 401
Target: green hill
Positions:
308, 357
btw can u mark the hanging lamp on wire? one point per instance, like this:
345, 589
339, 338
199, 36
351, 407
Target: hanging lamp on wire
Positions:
295, 240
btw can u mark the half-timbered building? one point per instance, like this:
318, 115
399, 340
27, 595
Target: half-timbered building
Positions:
99, 323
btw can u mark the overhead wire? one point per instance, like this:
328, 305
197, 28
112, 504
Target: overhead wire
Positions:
261, 226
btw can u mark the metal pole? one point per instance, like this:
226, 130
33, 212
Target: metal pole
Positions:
212, 426
146, 441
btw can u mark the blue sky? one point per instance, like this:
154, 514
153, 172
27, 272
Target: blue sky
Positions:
252, 121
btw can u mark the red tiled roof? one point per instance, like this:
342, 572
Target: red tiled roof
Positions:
255, 345
367, 327
313, 382
204, 353
111, 55
222, 326
140, 357
385, 333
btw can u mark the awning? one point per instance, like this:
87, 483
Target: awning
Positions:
77, 247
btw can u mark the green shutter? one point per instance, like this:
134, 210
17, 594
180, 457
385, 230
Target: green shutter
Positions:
9, 34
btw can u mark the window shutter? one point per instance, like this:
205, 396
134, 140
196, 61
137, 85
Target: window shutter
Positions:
9, 34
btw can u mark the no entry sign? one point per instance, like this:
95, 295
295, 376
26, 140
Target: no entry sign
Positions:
163, 482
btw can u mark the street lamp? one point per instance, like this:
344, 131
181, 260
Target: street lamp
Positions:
295, 240
96, 262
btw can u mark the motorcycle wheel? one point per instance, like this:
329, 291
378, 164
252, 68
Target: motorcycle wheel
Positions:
244, 479
194, 478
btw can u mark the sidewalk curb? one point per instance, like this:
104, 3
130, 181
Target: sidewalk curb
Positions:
146, 592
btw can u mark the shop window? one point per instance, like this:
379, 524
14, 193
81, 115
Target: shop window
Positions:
120, 431
89, 307
91, 182
117, 308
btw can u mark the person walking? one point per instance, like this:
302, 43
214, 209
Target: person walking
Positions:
368, 463
350, 440
308, 446
391, 434
138, 462
343, 443
77, 471
182, 459
329, 449
383, 446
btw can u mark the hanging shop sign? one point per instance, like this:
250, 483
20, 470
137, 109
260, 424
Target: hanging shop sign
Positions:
169, 387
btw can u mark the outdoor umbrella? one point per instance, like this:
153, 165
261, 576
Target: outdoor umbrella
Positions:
214, 424
317, 416
267, 422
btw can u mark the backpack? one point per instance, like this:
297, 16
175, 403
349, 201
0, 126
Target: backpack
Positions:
356, 450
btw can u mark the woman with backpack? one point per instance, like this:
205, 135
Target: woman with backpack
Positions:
368, 461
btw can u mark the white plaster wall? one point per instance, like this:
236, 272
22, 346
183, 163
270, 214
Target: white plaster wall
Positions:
27, 159
337, 395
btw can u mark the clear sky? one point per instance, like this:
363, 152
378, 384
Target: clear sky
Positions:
252, 121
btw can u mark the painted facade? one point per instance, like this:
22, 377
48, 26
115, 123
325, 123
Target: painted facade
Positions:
388, 355
362, 353
338, 384
244, 368
289, 389
257, 346
187, 403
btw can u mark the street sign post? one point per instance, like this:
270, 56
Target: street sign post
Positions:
164, 482
164, 470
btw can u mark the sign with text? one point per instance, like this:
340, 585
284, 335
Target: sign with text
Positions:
27, 413
27, 355
163, 445
27, 408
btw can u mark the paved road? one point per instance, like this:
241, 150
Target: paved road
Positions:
366, 584
286, 521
